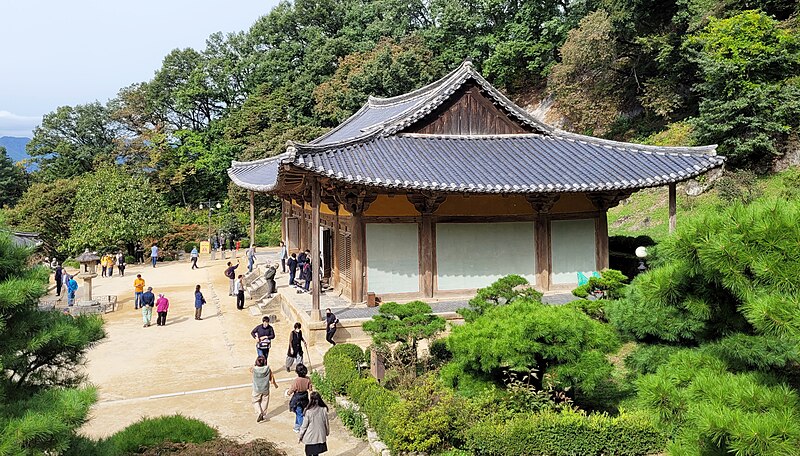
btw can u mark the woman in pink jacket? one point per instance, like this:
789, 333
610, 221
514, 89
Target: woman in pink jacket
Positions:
162, 305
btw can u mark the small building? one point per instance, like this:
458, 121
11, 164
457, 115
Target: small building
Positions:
443, 190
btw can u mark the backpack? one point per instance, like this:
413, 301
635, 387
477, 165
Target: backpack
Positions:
230, 274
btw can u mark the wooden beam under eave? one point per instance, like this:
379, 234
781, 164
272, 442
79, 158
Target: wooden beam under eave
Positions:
315, 257
673, 206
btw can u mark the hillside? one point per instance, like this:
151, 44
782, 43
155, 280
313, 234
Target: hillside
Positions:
645, 213
15, 147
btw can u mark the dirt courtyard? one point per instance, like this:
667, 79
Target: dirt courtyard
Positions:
196, 368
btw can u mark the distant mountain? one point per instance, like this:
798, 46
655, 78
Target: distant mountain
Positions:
15, 147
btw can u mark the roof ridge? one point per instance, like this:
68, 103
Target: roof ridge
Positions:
279, 157
695, 150
420, 92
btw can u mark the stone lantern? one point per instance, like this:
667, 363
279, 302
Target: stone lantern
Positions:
89, 261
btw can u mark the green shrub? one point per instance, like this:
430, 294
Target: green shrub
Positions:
608, 286
352, 351
130, 259
149, 432
376, 402
596, 309
324, 387
439, 352
566, 433
191, 245
353, 420
340, 371
71, 264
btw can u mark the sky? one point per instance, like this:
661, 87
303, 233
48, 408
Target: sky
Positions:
57, 52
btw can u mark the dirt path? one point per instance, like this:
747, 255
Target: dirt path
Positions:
196, 368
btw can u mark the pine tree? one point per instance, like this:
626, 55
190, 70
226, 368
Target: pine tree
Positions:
42, 396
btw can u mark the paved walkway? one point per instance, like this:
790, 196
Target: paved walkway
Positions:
196, 368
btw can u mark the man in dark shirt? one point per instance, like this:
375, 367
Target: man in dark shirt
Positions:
230, 273
292, 263
330, 326
148, 302
263, 334
59, 278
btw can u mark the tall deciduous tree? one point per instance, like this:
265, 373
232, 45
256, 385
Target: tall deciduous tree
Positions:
13, 180
46, 208
750, 89
42, 397
113, 207
72, 141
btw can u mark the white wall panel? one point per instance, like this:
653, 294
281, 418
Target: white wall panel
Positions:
474, 255
392, 257
573, 249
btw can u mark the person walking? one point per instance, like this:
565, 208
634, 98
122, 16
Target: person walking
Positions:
262, 377
238, 288
263, 334
154, 254
199, 301
59, 279
299, 392
296, 342
284, 256
138, 289
230, 273
139, 253
251, 257
162, 307
104, 265
194, 255
72, 287
330, 325
292, 263
315, 429
148, 302
121, 263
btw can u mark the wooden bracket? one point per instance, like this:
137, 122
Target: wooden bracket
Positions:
542, 202
606, 200
354, 199
426, 202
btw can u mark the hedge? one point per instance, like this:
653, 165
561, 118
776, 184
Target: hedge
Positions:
352, 351
565, 434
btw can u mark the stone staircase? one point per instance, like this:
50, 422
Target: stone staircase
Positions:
256, 290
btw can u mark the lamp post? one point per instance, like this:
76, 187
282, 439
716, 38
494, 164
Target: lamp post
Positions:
211, 205
641, 254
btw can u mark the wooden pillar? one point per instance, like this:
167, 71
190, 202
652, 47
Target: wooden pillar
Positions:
543, 260
253, 219
315, 260
542, 203
601, 240
426, 255
302, 231
358, 260
673, 221
335, 281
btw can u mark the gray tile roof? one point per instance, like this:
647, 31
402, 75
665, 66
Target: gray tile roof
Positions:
504, 164
371, 149
391, 115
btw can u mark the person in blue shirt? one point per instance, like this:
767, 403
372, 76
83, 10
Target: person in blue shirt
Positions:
72, 287
199, 300
194, 255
